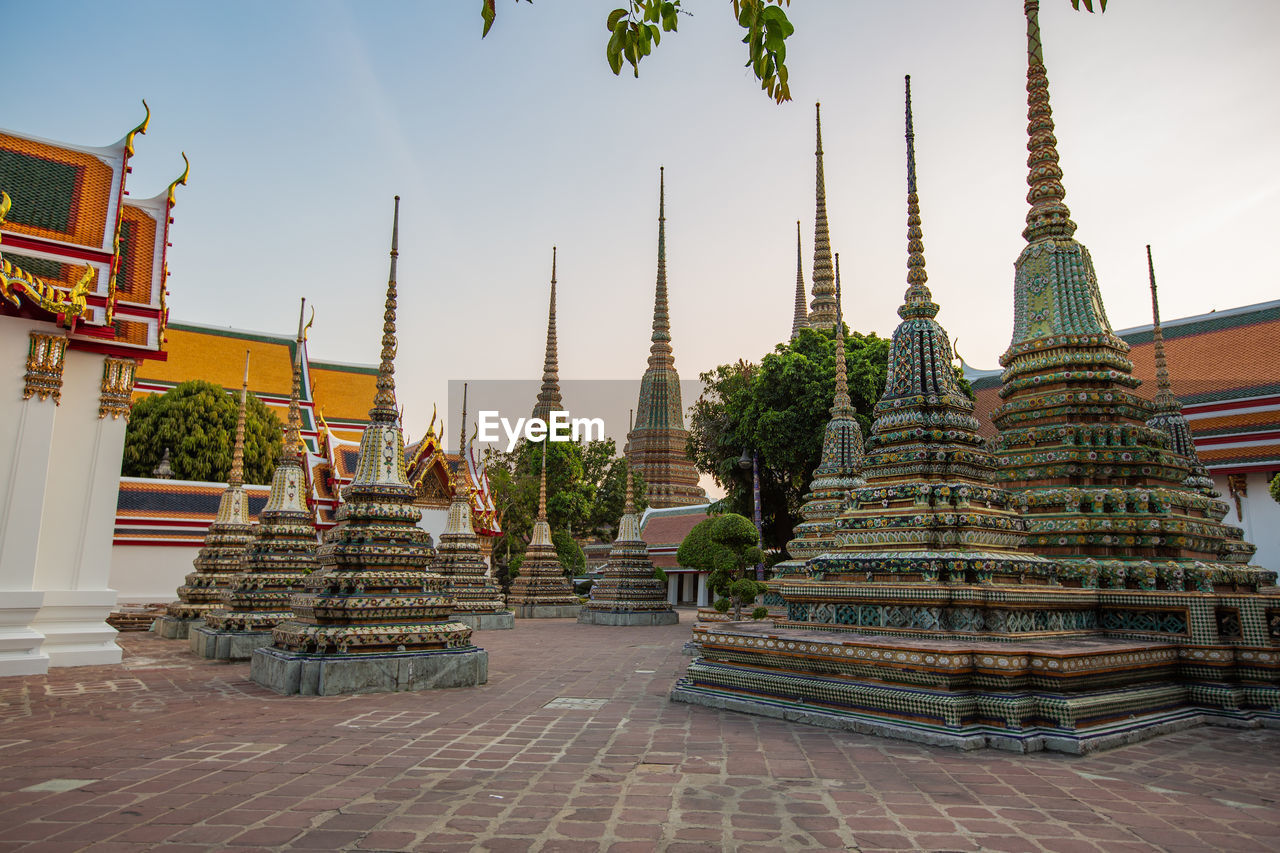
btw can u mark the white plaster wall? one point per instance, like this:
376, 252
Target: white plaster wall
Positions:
144, 574
434, 522
1261, 521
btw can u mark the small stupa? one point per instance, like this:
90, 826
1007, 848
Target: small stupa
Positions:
627, 592
838, 472
219, 558
549, 399
822, 310
278, 558
477, 600
372, 618
541, 591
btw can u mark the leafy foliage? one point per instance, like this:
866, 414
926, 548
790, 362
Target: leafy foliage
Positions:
725, 546
1274, 488
635, 29
196, 421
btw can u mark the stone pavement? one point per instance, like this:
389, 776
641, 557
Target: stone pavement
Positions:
572, 745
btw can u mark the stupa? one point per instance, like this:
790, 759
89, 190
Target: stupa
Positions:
541, 591
1167, 416
940, 619
822, 310
839, 471
277, 560
549, 399
657, 446
372, 618
800, 318
219, 558
477, 600
627, 592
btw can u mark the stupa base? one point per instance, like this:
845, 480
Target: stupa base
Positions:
547, 611
1068, 694
227, 645
335, 675
499, 621
172, 628
628, 617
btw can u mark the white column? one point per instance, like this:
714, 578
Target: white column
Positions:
702, 590
673, 588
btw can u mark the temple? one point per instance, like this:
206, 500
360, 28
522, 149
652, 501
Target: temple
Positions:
822, 310
541, 591
627, 592
549, 395
1066, 590
223, 549
657, 446
372, 618
276, 561
83, 272
477, 598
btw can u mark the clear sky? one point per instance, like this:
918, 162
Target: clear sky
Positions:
303, 119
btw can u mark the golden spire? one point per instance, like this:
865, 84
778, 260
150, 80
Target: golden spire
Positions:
462, 427
384, 402
628, 506
1164, 401
293, 449
542, 485
822, 309
918, 301
549, 399
800, 319
841, 405
459, 474
1049, 215
236, 478
660, 350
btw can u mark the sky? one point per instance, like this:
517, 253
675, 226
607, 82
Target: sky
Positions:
303, 119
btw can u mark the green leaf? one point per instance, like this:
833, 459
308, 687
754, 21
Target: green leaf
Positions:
616, 15
488, 11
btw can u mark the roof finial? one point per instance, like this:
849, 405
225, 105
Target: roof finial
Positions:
1049, 215
801, 318
661, 337
236, 477
293, 448
841, 403
462, 427
542, 484
628, 505
821, 309
384, 402
549, 399
918, 301
1164, 394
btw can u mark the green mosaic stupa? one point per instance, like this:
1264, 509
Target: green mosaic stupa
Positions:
372, 618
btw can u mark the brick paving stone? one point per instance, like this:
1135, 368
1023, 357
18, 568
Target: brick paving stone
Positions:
215, 762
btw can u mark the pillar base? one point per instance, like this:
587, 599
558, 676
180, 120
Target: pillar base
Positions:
172, 628
226, 645
292, 673
628, 617
20, 644
547, 611
501, 620
75, 629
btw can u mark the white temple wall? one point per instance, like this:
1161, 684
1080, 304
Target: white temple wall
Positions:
26, 443
434, 522
147, 574
1259, 516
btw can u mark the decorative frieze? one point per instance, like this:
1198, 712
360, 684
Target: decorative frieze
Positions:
45, 361
117, 387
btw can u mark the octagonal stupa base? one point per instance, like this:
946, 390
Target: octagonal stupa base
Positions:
227, 645
335, 675
172, 628
547, 611
501, 620
624, 618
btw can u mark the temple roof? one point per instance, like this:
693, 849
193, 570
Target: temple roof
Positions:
173, 512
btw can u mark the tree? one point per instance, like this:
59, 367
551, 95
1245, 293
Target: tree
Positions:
636, 28
196, 422
1274, 488
725, 546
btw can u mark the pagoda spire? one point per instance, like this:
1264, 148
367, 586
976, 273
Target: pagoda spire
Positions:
841, 405
801, 318
384, 408
822, 310
541, 527
462, 427
236, 478
918, 301
660, 350
1049, 215
1165, 401
549, 399
293, 449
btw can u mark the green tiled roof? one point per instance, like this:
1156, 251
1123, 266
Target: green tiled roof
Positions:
42, 191
1210, 323
40, 267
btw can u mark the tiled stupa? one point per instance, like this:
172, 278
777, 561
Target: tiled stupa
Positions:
540, 590
1167, 415
549, 399
219, 558
657, 446
823, 309
627, 593
277, 560
477, 599
372, 618
839, 471
800, 317
939, 619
